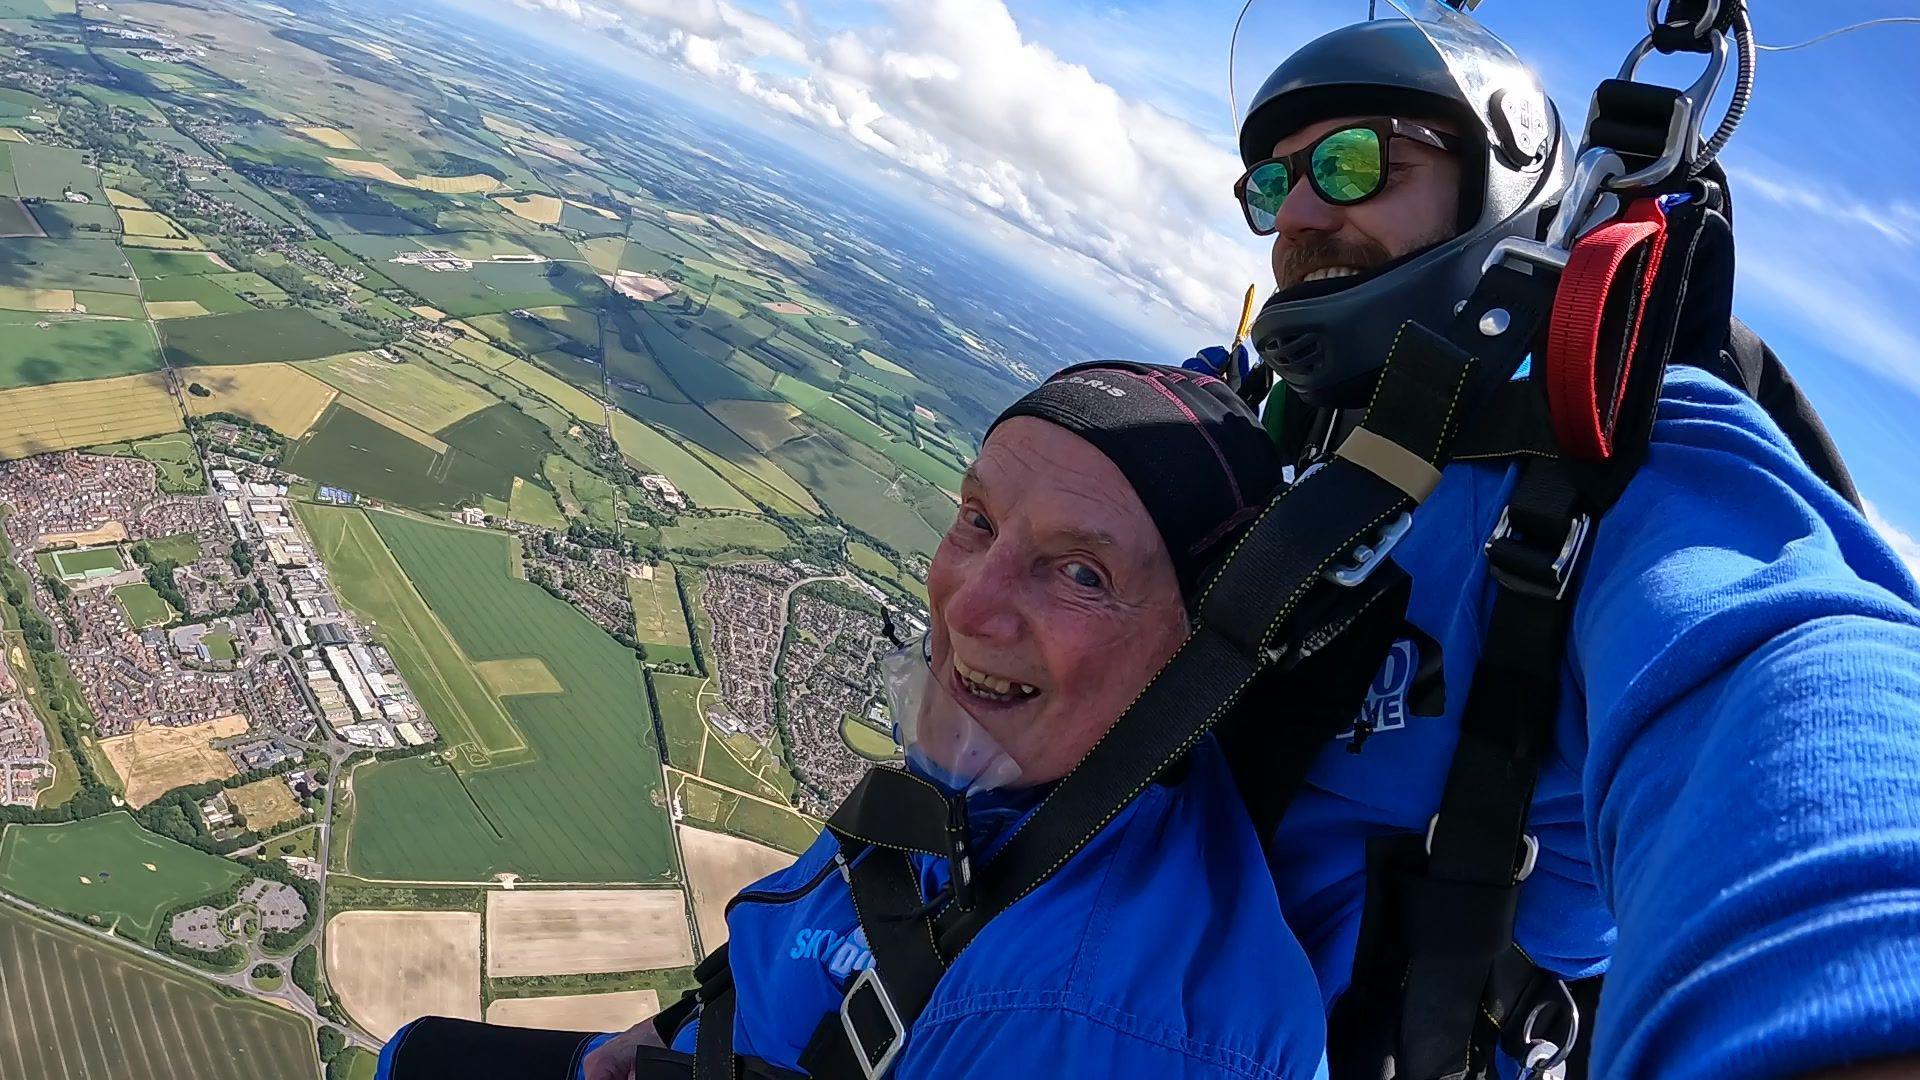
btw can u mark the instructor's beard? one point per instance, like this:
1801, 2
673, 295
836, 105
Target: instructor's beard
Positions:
1296, 263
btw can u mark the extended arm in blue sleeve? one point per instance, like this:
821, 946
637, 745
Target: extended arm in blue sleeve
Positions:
1750, 653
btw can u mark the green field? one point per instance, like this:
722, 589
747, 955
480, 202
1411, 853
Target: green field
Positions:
173, 454
503, 437
253, 337
705, 431
180, 548
696, 747
373, 585
857, 494
220, 646
716, 807
350, 450
216, 300
73, 349
75, 565
724, 532
49, 172
354, 1063
80, 1009
868, 741
579, 491
658, 621
164, 264
685, 728
76, 263
144, 606
583, 809
96, 869
417, 393
873, 562
532, 504
658, 453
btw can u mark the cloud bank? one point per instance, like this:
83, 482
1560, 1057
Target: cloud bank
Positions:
952, 92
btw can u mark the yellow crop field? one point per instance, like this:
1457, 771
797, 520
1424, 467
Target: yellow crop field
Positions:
123, 201
174, 309
266, 803
389, 967
557, 390
539, 209
330, 137
592, 209
66, 416
151, 223
21, 298
440, 185
280, 396
154, 760
520, 675
425, 312
414, 393
8, 134
883, 363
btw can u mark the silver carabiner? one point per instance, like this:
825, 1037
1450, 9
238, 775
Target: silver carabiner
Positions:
1547, 1059
1689, 111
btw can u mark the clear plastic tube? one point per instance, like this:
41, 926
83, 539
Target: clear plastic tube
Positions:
941, 739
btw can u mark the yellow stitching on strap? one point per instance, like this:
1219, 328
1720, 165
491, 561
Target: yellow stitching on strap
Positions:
1391, 462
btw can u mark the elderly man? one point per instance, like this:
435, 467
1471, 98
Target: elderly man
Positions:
1062, 586
1727, 821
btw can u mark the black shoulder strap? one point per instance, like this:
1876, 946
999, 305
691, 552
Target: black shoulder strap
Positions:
1760, 373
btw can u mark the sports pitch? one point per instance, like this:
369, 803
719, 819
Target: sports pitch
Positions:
143, 605
111, 869
76, 565
579, 804
657, 616
79, 1009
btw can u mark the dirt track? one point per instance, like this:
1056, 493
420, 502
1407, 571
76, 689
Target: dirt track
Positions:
575, 931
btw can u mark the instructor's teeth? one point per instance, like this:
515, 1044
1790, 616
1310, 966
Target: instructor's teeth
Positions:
1027, 690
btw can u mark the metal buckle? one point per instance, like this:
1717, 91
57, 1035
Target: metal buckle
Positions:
1368, 557
1563, 564
870, 980
1529, 852
1547, 1058
1596, 169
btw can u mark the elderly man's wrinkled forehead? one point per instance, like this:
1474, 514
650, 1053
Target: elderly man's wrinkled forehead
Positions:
1062, 488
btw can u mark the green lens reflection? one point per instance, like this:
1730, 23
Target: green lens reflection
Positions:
1266, 190
1347, 166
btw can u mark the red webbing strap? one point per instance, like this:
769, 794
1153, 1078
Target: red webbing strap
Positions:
1581, 334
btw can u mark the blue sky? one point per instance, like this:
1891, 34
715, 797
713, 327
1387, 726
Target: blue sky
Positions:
1826, 172
1092, 140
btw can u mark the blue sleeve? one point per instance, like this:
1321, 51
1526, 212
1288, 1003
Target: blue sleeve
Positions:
1750, 655
1028, 1039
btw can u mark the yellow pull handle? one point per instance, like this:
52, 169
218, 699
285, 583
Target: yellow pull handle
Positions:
1246, 316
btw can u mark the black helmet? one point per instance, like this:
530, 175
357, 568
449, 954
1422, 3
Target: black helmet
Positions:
1328, 339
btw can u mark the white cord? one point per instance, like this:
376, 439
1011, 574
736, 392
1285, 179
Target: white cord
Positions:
1233, 43
1843, 30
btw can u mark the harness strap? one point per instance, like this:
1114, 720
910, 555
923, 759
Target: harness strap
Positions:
1596, 325
1460, 910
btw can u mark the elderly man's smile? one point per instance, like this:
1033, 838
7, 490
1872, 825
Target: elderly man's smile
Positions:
988, 687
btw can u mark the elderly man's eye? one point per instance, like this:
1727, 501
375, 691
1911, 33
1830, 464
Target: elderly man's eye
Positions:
975, 519
1084, 576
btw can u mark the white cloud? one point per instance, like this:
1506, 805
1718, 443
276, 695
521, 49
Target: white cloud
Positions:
953, 92
1904, 543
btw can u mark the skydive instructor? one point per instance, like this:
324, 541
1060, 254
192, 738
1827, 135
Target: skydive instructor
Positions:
1727, 820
